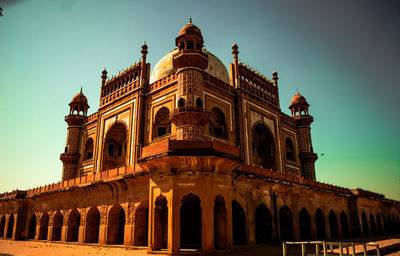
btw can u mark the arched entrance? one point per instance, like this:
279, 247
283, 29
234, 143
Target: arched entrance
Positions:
365, 224
263, 147
191, 222
74, 220
44, 225
286, 224
305, 225
238, 224
333, 224
10, 226
372, 224
160, 223
320, 224
32, 227
115, 146
141, 224
263, 219
116, 225
92, 225
344, 223
2, 225
220, 223
379, 223
57, 226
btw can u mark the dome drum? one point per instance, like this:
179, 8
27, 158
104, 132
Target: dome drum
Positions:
190, 58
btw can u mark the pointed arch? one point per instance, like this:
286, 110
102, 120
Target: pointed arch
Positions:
217, 123
263, 146
116, 225
92, 225
44, 224
88, 154
10, 228
263, 219
160, 223
141, 224
2, 225
372, 223
57, 226
162, 124
191, 222
32, 226
364, 224
320, 224
286, 224
344, 223
220, 223
305, 225
333, 226
238, 224
289, 147
115, 146
74, 220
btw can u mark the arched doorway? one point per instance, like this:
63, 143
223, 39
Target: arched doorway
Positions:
74, 220
320, 224
263, 219
365, 224
2, 225
372, 224
57, 226
44, 226
92, 225
305, 225
10, 227
115, 146
116, 225
191, 222
141, 224
333, 224
32, 227
238, 224
344, 224
379, 223
220, 223
217, 123
263, 147
286, 224
160, 223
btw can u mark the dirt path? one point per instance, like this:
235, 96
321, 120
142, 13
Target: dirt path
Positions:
32, 248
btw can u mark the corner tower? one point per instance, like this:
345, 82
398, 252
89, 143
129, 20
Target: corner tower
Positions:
75, 119
299, 109
190, 62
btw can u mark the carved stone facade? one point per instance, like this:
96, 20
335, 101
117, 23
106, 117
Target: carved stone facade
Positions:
191, 157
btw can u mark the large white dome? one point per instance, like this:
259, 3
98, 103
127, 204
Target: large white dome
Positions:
165, 67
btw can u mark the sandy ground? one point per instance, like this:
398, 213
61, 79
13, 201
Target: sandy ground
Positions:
32, 248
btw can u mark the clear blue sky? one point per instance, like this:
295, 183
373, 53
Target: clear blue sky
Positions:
344, 56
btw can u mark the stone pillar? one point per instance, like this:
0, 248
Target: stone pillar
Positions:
250, 225
313, 226
207, 215
103, 225
50, 226
174, 225
82, 226
129, 236
228, 205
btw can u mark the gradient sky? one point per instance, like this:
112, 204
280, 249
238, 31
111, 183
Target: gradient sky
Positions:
343, 56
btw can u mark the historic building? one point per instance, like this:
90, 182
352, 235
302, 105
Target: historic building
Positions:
191, 157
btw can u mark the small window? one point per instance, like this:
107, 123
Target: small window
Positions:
110, 150
199, 103
182, 46
217, 123
198, 46
162, 125
120, 150
190, 45
181, 102
89, 149
289, 150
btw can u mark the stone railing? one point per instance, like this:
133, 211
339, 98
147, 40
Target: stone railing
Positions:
80, 181
119, 93
250, 170
218, 83
162, 82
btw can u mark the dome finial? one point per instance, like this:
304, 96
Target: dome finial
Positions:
190, 20
81, 89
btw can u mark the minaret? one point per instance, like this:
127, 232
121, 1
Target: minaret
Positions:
299, 109
75, 119
190, 61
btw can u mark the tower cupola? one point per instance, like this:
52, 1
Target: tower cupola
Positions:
79, 105
298, 105
189, 38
